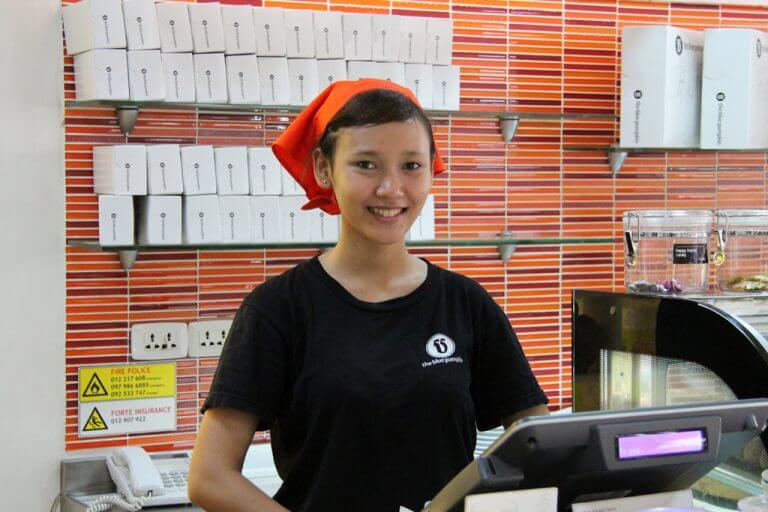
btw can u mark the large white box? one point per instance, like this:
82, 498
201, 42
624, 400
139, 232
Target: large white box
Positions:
207, 28
116, 220
202, 220
164, 169
265, 219
231, 170
294, 222
413, 39
357, 69
243, 79
198, 170
179, 72
175, 30
323, 227
445, 87
675, 500
329, 38
210, 78
660, 86
235, 212
289, 185
423, 227
141, 28
439, 41
158, 220
265, 172
386, 38
239, 32
120, 170
418, 78
269, 23
91, 24
392, 72
299, 34
358, 36
274, 82
329, 71
302, 76
734, 89
146, 77
101, 75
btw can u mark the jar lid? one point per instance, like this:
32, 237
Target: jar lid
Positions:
668, 223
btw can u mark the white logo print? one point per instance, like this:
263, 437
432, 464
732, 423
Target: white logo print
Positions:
440, 346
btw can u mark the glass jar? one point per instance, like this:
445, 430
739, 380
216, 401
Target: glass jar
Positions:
666, 251
741, 245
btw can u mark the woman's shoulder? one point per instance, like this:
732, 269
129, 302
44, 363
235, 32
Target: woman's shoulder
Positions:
453, 281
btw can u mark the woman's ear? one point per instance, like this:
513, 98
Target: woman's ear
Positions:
322, 167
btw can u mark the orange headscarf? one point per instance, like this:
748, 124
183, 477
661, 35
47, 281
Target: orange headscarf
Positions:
294, 147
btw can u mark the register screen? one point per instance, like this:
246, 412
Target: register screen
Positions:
640, 446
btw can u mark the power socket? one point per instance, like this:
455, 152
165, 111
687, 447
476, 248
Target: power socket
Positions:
207, 338
164, 340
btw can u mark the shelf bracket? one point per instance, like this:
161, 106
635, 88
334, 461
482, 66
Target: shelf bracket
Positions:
616, 160
126, 117
509, 128
506, 250
127, 258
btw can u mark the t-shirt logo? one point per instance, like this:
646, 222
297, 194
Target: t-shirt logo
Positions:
440, 346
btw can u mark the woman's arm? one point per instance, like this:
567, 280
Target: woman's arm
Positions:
215, 479
537, 410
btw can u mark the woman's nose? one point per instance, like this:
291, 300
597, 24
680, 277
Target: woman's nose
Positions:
390, 184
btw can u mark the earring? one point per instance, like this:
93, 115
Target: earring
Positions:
324, 180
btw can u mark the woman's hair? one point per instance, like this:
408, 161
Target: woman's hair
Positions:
377, 106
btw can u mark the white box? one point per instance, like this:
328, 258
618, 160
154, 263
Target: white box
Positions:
423, 227
115, 220
418, 78
91, 24
202, 220
439, 41
269, 23
329, 71
175, 29
289, 185
299, 34
179, 71
164, 169
243, 79
265, 219
660, 86
231, 170
386, 38
538, 500
235, 212
294, 222
239, 32
392, 72
357, 69
445, 87
302, 76
274, 82
323, 227
141, 28
358, 36
734, 89
198, 170
210, 78
413, 39
675, 500
329, 38
101, 75
120, 170
158, 219
265, 172
146, 78
207, 28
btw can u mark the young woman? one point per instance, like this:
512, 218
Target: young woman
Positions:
372, 368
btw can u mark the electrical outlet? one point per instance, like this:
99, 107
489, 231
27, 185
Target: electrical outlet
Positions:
164, 340
207, 338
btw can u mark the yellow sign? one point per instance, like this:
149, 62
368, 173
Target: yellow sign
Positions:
95, 422
127, 382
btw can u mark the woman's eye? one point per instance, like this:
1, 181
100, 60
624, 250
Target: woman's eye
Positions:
364, 164
412, 166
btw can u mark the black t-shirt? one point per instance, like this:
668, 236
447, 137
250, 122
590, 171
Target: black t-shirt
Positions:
371, 405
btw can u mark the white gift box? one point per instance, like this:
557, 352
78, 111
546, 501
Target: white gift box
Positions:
207, 28
358, 36
439, 41
239, 32
210, 78
202, 220
265, 172
164, 169
116, 220
175, 29
274, 81
198, 170
329, 38
243, 79
146, 77
141, 27
179, 72
294, 222
299, 34
235, 214
302, 75
231, 170
413, 39
92, 24
120, 170
445, 87
101, 75
265, 219
386, 38
418, 78
269, 23
159, 220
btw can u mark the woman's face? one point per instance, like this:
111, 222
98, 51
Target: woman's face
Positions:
381, 176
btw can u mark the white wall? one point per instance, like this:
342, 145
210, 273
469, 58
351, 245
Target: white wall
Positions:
32, 268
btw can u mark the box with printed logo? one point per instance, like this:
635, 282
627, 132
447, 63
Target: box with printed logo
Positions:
439, 41
207, 28
141, 29
243, 79
300, 34
239, 32
179, 72
358, 36
235, 212
734, 89
329, 39
264, 171
231, 170
413, 39
120, 170
265, 219
274, 81
146, 77
202, 220
116, 222
294, 222
198, 170
418, 78
386, 38
269, 23
357, 69
329, 71
423, 227
210, 78
164, 169
289, 185
660, 86
158, 219
175, 30
445, 87
101, 75
302, 76
392, 72
323, 227
91, 24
